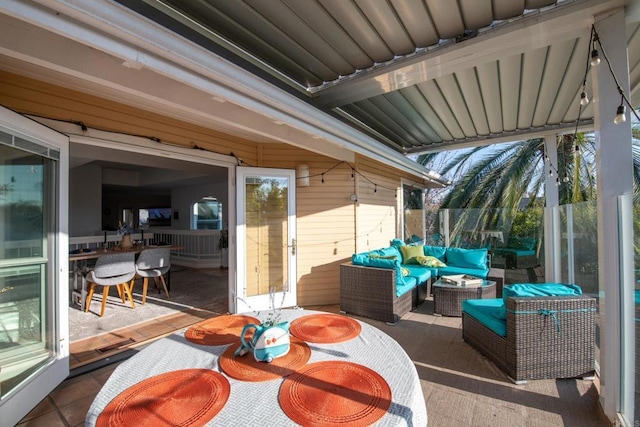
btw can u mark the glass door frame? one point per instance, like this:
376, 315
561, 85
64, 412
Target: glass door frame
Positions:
36, 386
241, 302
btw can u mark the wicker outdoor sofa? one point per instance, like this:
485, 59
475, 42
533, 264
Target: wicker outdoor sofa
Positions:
371, 292
546, 338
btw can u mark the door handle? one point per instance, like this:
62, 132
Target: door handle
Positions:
293, 246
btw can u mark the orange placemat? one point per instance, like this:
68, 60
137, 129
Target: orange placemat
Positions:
335, 393
325, 328
246, 367
188, 397
220, 330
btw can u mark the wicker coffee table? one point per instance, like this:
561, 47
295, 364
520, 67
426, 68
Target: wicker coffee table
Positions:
447, 298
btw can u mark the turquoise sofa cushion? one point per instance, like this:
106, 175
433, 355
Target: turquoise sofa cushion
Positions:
365, 259
486, 311
452, 269
408, 284
436, 251
387, 252
421, 274
467, 258
397, 242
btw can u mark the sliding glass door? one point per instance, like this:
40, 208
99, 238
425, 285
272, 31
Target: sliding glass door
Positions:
33, 329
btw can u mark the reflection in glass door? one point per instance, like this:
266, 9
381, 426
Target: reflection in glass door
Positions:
266, 239
25, 223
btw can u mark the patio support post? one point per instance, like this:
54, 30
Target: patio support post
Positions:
614, 174
552, 271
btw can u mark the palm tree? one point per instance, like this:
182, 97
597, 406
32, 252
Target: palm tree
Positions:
501, 178
490, 183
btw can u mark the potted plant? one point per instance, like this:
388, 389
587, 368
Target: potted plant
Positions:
223, 245
125, 231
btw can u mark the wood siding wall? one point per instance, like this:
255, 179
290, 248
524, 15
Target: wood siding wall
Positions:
326, 223
330, 226
37, 98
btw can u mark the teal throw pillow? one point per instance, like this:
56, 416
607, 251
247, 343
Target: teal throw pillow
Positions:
435, 251
467, 258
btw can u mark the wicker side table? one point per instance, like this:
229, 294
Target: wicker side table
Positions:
447, 298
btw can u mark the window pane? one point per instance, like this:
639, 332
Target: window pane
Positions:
26, 335
207, 214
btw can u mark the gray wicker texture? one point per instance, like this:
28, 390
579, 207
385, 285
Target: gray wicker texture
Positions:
447, 301
371, 292
537, 346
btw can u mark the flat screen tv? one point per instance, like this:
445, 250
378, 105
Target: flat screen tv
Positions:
158, 217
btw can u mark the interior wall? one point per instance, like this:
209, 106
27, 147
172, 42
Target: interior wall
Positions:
115, 199
85, 195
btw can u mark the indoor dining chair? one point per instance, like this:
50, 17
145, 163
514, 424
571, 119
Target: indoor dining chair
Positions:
155, 263
111, 270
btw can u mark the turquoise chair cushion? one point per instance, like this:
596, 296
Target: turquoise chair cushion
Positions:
539, 290
486, 312
436, 251
536, 290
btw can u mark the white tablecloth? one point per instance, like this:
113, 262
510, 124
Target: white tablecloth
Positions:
256, 403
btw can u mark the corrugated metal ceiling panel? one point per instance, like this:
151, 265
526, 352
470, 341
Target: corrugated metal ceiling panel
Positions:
386, 54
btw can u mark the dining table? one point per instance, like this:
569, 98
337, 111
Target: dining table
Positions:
79, 258
339, 371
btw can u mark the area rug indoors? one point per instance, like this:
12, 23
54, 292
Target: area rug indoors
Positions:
188, 397
190, 289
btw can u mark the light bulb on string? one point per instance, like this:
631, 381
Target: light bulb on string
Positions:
584, 99
577, 149
557, 182
620, 115
550, 172
566, 178
595, 58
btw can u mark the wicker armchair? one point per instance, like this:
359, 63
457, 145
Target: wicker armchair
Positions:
547, 338
371, 292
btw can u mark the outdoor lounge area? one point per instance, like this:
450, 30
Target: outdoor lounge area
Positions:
280, 151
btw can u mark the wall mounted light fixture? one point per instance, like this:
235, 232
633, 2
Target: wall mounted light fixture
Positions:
302, 175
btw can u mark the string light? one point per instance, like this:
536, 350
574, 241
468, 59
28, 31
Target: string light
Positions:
620, 114
595, 58
584, 99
